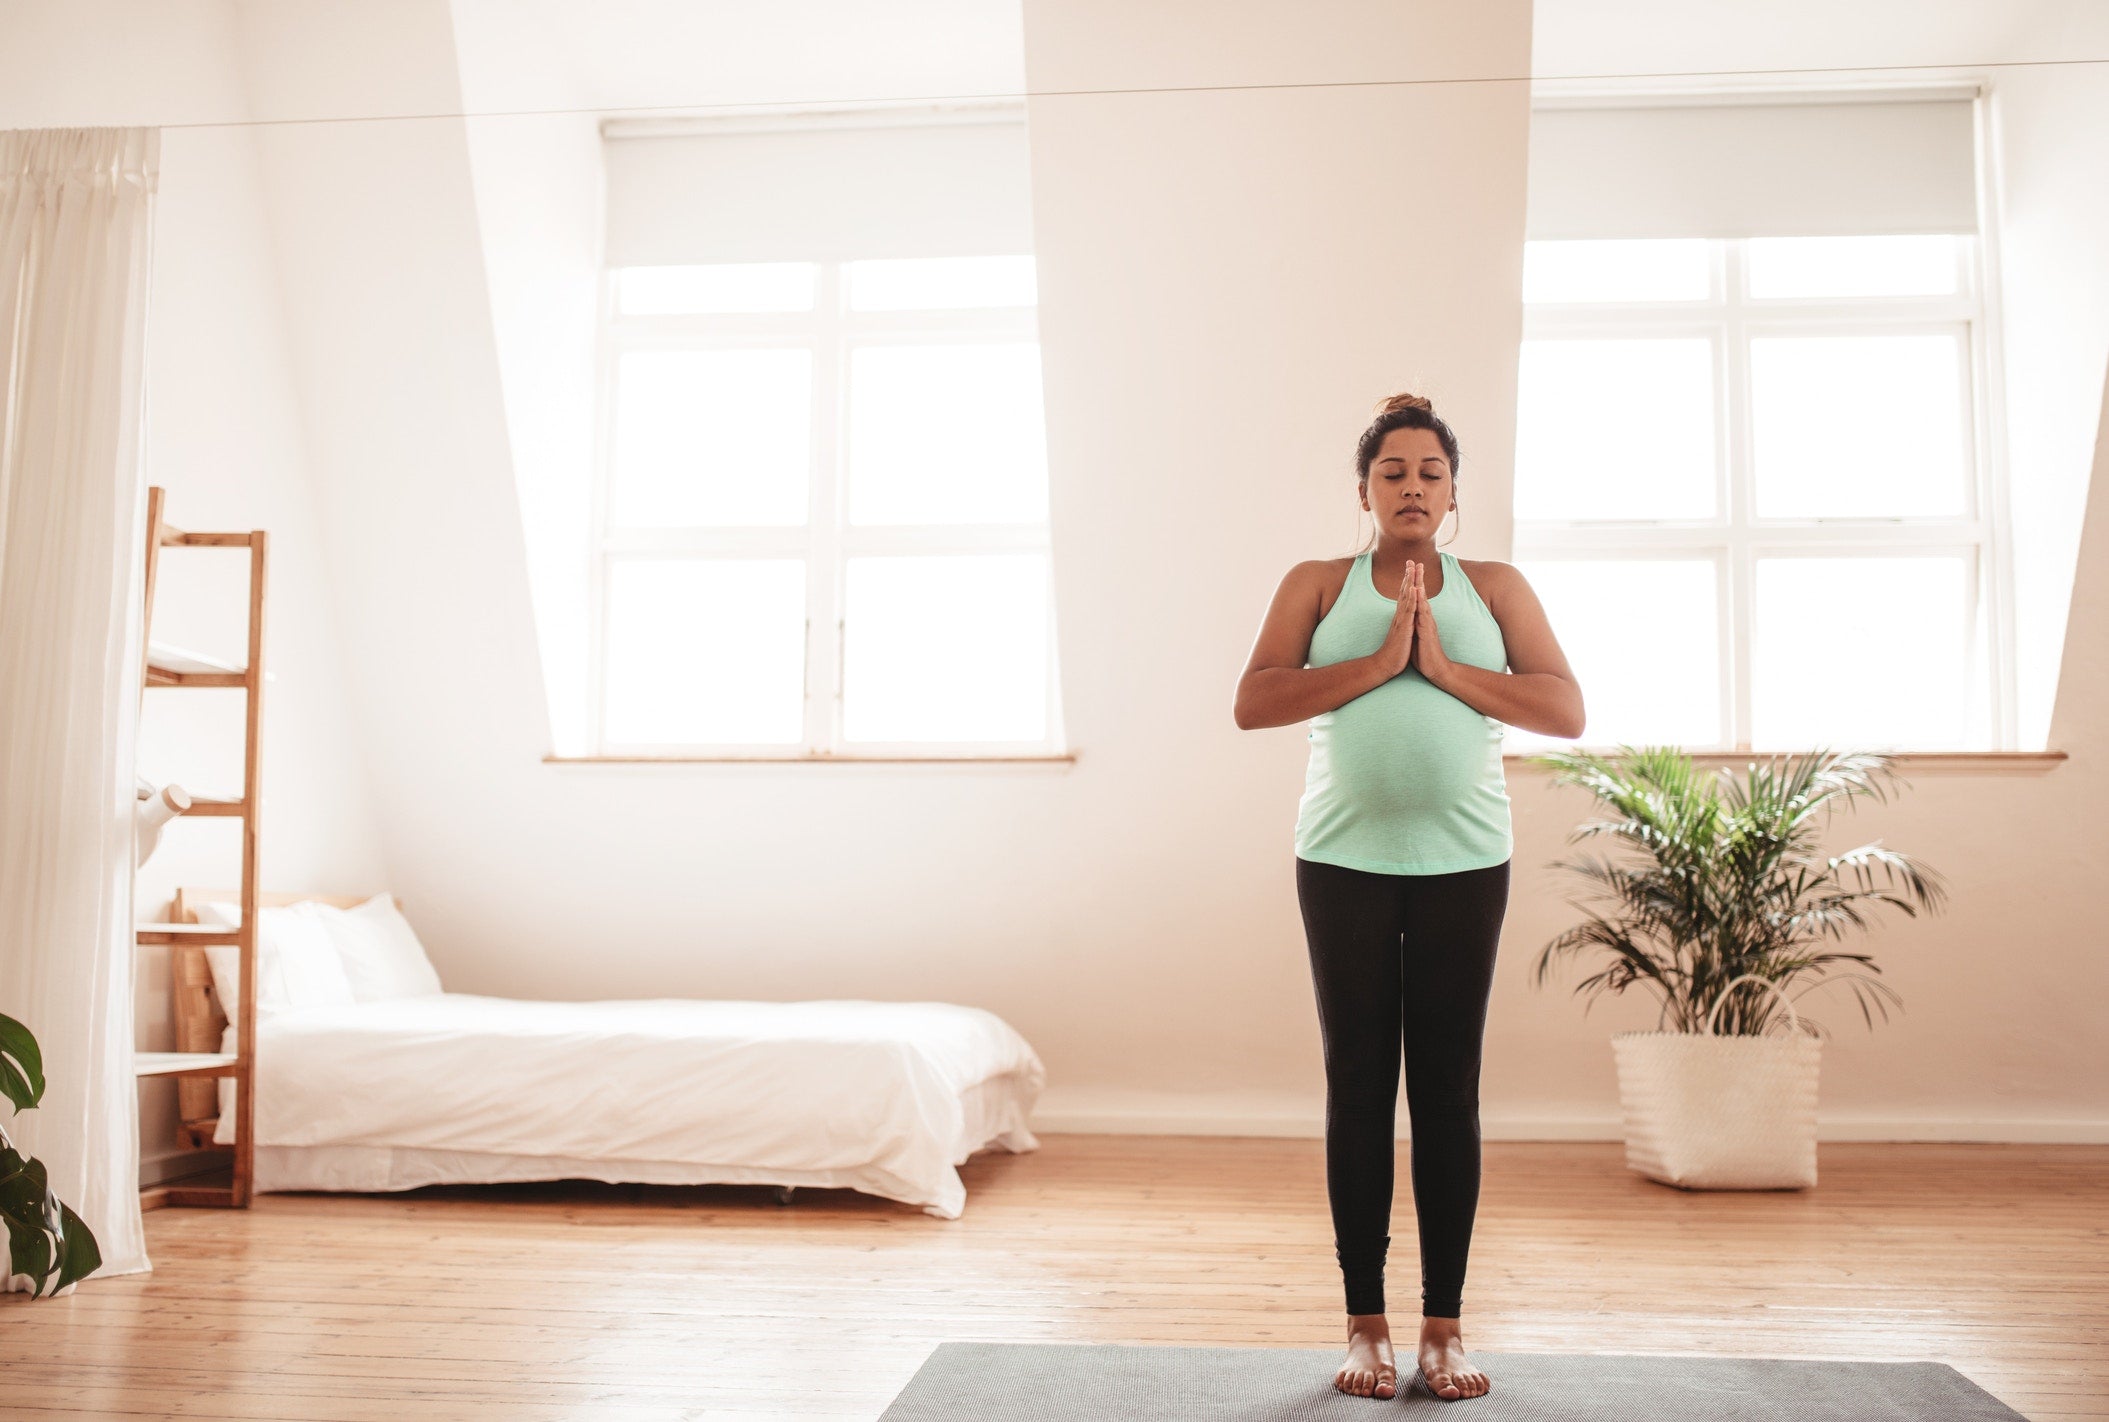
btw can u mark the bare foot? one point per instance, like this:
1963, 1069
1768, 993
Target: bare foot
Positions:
1370, 1369
1443, 1363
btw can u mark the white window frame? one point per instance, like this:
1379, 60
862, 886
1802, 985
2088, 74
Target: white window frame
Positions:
1733, 541
830, 331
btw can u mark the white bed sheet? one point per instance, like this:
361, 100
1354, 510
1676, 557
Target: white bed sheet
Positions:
884, 1097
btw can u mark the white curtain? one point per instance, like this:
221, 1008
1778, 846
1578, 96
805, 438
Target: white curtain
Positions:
75, 237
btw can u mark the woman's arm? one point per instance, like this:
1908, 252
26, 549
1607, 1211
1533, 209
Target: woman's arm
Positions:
1538, 692
1277, 689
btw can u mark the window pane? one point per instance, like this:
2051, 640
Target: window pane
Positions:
1858, 426
941, 283
950, 648
705, 651
711, 437
946, 434
1642, 636
746, 286
1853, 266
1653, 269
1859, 652
1615, 429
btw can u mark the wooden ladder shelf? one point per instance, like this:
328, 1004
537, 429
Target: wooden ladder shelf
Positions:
198, 1065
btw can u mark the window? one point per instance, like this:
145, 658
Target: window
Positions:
821, 519
822, 522
1747, 486
1751, 481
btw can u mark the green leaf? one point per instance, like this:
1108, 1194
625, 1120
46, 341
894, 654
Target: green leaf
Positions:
46, 1240
21, 1065
79, 1256
22, 1194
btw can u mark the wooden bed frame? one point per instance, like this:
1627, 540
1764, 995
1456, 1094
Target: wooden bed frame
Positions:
200, 1017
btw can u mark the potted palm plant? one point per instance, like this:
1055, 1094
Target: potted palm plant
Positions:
1724, 901
46, 1240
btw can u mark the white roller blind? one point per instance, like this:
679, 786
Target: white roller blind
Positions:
1753, 170
941, 189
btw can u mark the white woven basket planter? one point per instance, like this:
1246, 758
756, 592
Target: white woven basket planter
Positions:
1707, 1112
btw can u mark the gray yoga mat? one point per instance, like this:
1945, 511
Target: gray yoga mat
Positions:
1073, 1382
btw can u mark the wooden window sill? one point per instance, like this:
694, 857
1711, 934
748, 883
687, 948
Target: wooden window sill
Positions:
2000, 761
1051, 758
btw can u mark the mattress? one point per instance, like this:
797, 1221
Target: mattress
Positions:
883, 1097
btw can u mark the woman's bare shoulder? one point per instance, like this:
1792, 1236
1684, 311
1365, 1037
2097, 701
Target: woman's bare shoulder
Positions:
1322, 578
1490, 579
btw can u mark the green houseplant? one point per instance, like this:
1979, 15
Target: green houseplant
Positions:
1723, 901
46, 1240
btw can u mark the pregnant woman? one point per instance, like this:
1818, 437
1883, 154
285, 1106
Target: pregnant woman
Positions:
1406, 661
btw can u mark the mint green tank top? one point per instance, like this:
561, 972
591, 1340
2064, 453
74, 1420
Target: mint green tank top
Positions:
1406, 778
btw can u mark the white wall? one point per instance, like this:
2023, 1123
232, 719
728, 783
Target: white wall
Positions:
1162, 405
538, 196
1074, 901
1211, 347
390, 307
538, 203
2054, 231
1229, 279
224, 439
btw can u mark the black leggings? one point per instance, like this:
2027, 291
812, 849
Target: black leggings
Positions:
1402, 956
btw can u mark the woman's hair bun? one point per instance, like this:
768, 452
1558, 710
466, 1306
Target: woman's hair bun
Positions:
1404, 402
1403, 412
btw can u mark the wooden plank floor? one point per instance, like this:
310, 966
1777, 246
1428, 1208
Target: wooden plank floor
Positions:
580, 1301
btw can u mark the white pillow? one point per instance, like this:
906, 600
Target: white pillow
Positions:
296, 961
380, 951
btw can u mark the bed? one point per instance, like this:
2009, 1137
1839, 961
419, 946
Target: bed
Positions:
396, 1092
